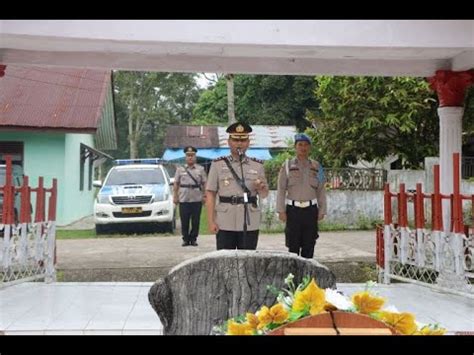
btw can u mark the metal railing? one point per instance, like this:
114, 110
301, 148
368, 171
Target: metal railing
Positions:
439, 257
355, 179
467, 167
27, 245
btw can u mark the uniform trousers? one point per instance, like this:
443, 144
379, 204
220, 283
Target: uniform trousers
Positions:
190, 212
236, 240
301, 230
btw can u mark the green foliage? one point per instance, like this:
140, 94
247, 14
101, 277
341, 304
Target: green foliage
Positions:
261, 99
272, 167
150, 101
369, 118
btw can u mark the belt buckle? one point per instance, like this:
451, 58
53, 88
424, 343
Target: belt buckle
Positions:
234, 200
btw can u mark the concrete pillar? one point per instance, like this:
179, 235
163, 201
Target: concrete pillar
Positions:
451, 88
450, 141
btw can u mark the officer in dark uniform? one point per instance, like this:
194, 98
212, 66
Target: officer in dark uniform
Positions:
188, 190
301, 198
234, 183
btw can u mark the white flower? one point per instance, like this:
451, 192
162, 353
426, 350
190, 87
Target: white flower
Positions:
390, 308
337, 300
289, 278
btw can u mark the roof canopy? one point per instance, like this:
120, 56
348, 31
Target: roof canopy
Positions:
213, 153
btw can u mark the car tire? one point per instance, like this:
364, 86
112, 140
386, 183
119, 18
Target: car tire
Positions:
100, 229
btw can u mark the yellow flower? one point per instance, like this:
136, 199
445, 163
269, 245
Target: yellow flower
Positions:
311, 296
252, 320
404, 323
426, 330
277, 314
366, 303
234, 328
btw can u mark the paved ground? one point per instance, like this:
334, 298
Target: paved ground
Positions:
166, 251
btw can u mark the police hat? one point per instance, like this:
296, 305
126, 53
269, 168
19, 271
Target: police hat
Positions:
239, 130
301, 137
190, 150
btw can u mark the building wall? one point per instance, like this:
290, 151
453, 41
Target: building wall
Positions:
79, 203
43, 155
57, 155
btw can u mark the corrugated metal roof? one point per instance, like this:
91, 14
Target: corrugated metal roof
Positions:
263, 136
216, 137
53, 98
180, 136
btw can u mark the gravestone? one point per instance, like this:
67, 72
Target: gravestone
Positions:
203, 292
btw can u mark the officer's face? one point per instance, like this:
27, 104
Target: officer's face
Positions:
242, 144
302, 148
190, 158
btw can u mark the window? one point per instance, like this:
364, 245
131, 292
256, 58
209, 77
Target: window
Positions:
15, 149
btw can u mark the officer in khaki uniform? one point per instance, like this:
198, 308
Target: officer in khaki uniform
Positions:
188, 191
301, 199
232, 207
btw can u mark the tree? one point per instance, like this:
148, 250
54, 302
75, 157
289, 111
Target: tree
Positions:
369, 118
261, 99
146, 102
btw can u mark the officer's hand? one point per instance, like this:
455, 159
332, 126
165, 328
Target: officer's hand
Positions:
213, 227
282, 216
259, 185
321, 217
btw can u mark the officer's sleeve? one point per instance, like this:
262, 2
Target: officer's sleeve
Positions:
281, 191
203, 175
212, 180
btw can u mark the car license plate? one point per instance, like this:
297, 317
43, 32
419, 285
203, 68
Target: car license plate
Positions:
131, 209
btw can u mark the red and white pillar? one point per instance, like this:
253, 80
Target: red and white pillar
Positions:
451, 88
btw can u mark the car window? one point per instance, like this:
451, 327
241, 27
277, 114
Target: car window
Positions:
135, 176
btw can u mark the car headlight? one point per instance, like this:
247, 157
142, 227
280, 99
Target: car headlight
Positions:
103, 199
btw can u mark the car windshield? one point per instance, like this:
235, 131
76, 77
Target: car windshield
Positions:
135, 176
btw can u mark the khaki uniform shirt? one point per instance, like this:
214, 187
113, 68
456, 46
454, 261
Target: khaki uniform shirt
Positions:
301, 184
181, 177
231, 217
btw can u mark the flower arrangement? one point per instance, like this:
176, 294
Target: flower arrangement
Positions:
307, 299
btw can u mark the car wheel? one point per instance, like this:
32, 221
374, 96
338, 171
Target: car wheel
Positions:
99, 229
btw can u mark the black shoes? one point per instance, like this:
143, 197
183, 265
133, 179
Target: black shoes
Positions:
193, 243
185, 244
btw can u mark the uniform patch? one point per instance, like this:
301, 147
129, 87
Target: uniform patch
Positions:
219, 159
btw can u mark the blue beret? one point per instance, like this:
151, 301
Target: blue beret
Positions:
302, 137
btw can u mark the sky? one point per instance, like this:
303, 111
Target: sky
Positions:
202, 81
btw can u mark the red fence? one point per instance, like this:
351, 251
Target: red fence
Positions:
412, 250
11, 215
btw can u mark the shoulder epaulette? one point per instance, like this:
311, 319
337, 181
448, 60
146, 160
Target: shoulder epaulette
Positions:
219, 159
257, 160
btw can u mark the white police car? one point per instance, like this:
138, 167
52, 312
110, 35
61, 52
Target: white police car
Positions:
135, 191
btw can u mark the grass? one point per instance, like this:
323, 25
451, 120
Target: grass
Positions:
75, 234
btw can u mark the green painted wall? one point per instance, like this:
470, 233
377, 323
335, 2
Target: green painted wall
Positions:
57, 155
43, 155
81, 203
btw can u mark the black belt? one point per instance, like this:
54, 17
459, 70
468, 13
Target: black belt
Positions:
235, 200
193, 186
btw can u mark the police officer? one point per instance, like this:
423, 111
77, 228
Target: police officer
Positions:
188, 191
301, 199
234, 182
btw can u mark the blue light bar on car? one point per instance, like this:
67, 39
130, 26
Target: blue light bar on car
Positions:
139, 161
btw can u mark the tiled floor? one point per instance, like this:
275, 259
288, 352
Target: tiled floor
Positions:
122, 308
111, 308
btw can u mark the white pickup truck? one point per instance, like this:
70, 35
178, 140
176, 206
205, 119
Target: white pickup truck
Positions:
135, 191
